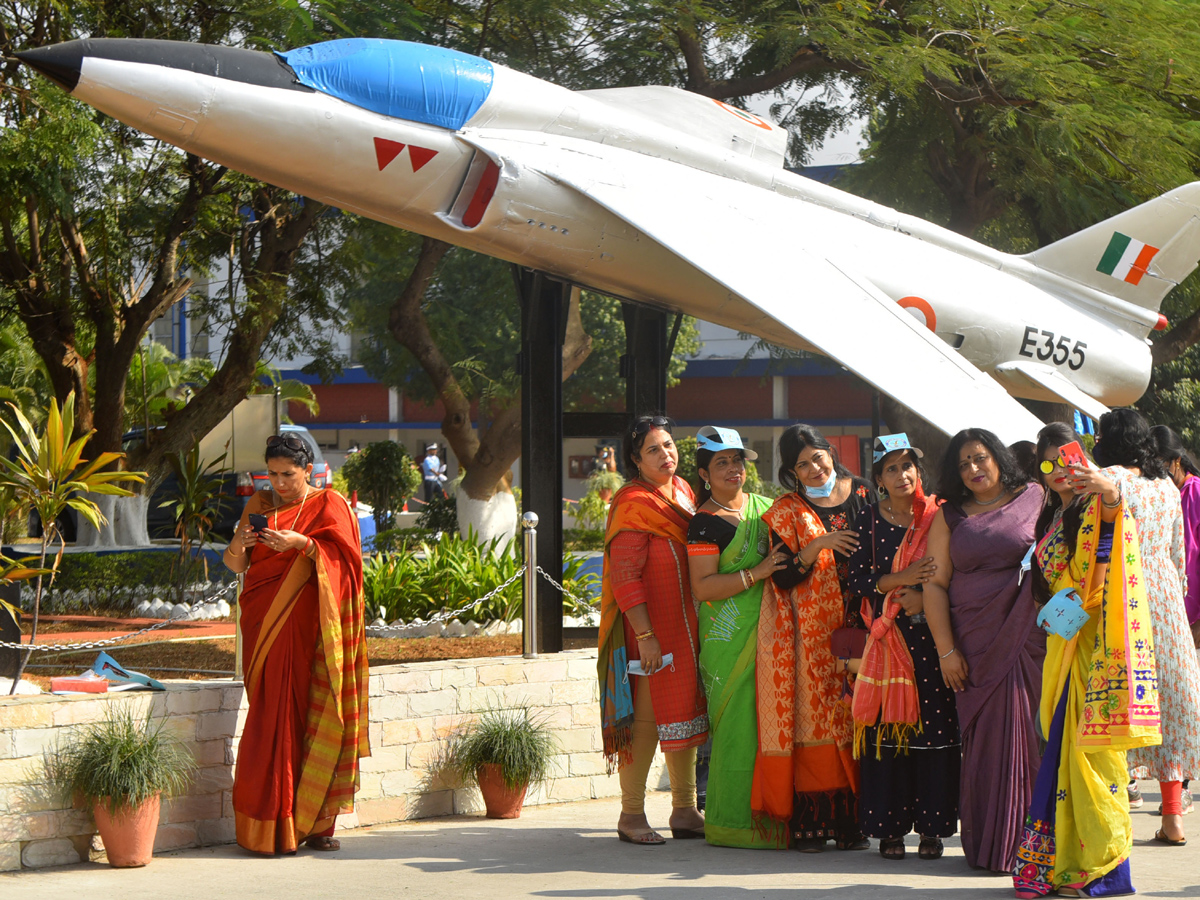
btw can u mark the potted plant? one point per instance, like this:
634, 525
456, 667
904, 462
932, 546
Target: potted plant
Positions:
121, 767
504, 753
605, 483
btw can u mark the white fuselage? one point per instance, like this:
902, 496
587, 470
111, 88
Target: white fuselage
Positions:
995, 307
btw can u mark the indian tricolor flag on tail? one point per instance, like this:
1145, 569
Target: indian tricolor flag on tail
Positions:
1126, 258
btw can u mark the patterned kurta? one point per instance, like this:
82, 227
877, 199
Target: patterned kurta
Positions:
1155, 505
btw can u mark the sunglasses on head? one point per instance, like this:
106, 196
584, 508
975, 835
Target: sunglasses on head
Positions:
652, 422
291, 441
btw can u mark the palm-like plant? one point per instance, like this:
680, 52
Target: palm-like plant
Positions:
196, 503
14, 570
49, 475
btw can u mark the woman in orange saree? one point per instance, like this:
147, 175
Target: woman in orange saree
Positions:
806, 775
303, 639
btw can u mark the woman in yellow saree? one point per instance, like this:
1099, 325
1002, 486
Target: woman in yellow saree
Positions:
1098, 684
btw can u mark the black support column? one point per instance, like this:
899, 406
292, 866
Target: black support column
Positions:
647, 353
544, 304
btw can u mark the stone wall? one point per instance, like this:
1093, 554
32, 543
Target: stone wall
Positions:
414, 708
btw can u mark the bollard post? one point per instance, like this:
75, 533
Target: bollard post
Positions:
529, 522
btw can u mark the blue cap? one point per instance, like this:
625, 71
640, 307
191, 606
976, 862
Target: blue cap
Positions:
710, 437
890, 443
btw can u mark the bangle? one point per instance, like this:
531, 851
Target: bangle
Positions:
750, 572
742, 574
229, 550
645, 635
307, 544
878, 589
947, 653
1108, 505
803, 566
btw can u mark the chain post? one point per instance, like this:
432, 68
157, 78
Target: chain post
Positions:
529, 522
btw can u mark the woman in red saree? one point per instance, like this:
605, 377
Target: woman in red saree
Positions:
303, 640
647, 612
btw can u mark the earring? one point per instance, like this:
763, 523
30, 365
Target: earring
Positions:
707, 486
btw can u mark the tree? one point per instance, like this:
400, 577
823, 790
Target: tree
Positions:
104, 229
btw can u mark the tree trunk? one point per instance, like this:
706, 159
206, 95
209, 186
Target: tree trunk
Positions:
126, 526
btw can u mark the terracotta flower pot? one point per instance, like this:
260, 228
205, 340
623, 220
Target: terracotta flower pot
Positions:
129, 835
501, 802
605, 494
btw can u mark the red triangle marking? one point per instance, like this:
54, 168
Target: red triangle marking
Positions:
420, 156
386, 151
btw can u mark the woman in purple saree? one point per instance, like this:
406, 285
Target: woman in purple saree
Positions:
981, 612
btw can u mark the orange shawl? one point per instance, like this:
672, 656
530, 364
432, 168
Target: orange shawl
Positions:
799, 689
297, 764
885, 690
635, 507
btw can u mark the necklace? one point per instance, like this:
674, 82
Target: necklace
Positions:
996, 499
298, 512
737, 511
896, 517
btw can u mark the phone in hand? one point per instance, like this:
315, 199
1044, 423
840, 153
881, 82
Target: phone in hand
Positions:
1072, 455
257, 522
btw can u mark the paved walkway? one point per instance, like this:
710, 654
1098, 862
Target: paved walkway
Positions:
567, 851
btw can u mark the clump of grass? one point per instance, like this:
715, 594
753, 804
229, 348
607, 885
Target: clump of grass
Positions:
516, 739
122, 761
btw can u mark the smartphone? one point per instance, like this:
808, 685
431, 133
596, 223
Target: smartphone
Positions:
1072, 455
257, 522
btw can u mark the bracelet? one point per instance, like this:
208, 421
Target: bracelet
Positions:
750, 572
307, 544
947, 653
229, 550
804, 567
879, 590
1108, 505
644, 636
742, 573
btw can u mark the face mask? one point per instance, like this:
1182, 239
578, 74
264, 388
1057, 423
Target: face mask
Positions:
824, 490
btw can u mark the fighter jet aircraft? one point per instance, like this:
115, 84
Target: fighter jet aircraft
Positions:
665, 197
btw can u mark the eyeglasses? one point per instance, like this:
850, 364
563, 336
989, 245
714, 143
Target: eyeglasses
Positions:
653, 422
291, 441
1047, 465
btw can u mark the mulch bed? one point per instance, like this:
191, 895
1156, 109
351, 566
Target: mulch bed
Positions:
198, 660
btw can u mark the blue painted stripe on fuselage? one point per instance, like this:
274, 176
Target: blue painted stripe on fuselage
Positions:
401, 79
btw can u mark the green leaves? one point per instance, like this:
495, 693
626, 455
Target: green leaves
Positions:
385, 476
517, 739
121, 761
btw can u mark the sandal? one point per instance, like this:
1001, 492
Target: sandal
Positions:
810, 845
853, 842
322, 842
646, 838
891, 848
930, 848
1162, 838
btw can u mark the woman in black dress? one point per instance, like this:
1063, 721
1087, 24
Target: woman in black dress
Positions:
914, 786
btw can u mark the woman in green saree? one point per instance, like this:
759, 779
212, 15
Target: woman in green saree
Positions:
730, 559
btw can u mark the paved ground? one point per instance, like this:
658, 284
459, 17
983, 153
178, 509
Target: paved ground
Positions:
569, 851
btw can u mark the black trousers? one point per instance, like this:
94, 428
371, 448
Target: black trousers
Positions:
914, 791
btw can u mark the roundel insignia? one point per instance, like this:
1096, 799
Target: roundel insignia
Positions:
749, 117
920, 310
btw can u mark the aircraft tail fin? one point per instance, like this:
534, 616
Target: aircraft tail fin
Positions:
1138, 255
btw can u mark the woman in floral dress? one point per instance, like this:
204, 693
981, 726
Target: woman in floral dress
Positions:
1125, 444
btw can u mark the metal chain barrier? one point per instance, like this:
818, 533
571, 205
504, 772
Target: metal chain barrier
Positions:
447, 615
575, 597
108, 642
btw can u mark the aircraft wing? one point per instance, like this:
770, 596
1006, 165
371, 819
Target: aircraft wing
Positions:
1052, 382
742, 237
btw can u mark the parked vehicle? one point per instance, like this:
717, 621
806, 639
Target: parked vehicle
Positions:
322, 473
236, 488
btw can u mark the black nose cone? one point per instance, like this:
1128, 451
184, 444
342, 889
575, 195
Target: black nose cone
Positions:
60, 62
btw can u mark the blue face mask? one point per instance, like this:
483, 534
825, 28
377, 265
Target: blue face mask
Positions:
824, 490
